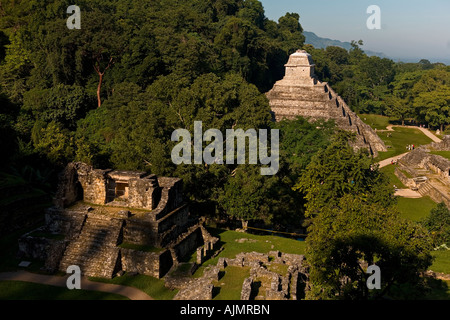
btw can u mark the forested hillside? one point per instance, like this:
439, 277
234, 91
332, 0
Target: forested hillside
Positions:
111, 93
415, 91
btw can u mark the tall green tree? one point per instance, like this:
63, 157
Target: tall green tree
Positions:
438, 224
338, 171
354, 234
245, 195
434, 106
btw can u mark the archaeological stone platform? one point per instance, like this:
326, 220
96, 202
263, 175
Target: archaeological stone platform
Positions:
427, 173
108, 222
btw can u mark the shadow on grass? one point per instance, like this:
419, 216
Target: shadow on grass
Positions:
215, 292
255, 289
437, 289
427, 289
17, 290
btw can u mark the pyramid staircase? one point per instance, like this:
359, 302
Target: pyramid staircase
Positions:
288, 101
95, 250
425, 189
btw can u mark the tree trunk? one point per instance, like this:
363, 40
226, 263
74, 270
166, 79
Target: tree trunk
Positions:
101, 74
99, 89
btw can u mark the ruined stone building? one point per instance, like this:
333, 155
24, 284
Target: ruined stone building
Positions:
426, 172
107, 221
300, 93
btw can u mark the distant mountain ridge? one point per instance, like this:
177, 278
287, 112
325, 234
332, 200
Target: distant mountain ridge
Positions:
322, 43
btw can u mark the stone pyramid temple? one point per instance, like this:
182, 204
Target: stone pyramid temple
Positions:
300, 93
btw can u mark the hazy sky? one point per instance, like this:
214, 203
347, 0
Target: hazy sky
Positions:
411, 29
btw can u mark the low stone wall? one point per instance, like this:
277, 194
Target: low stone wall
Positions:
48, 250
196, 289
404, 179
188, 242
65, 222
444, 145
436, 195
282, 287
155, 264
140, 231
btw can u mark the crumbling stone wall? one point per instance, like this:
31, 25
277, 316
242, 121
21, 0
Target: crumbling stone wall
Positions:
155, 264
444, 145
210, 246
94, 229
140, 231
144, 193
94, 184
282, 287
436, 186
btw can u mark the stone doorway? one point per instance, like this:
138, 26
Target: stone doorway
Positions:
121, 190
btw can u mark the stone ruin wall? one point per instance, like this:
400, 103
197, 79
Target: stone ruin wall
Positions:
444, 145
80, 181
168, 226
155, 264
421, 159
282, 287
143, 193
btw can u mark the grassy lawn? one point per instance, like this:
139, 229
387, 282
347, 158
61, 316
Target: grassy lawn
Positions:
441, 262
230, 285
262, 244
439, 290
18, 290
415, 209
445, 154
153, 287
399, 139
375, 121
394, 180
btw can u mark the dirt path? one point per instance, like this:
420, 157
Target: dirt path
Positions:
387, 162
408, 193
427, 132
129, 292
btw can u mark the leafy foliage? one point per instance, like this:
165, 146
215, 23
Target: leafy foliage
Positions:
338, 171
354, 234
438, 224
403, 91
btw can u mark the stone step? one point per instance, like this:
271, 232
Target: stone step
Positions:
84, 249
94, 250
101, 265
424, 188
81, 261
